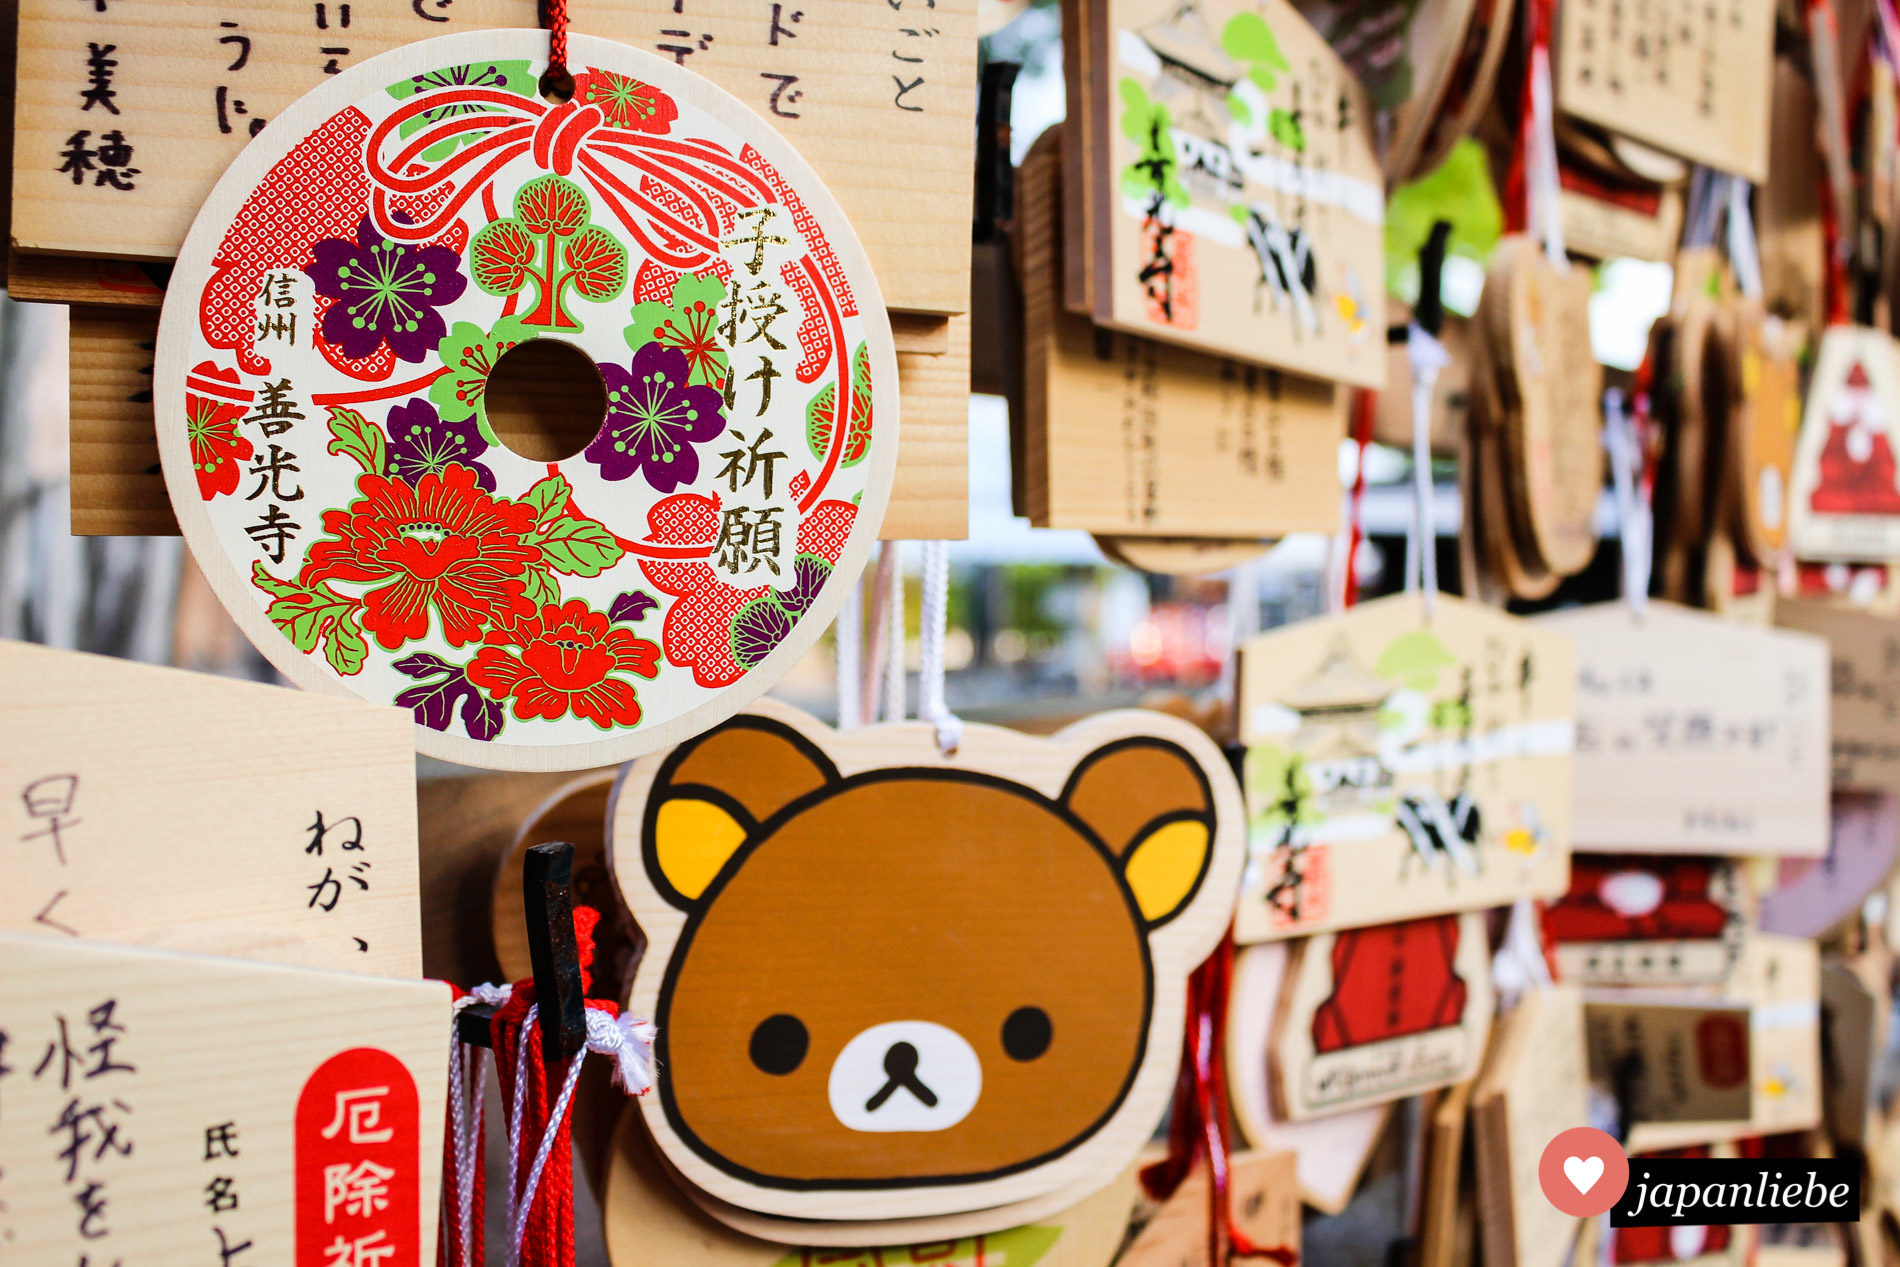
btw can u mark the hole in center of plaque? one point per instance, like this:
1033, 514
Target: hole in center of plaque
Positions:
545, 400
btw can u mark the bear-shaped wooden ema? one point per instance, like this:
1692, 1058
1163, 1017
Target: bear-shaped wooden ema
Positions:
892, 984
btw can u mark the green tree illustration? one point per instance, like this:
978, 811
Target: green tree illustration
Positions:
550, 242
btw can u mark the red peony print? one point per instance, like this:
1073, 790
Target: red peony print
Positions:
568, 657
444, 544
216, 447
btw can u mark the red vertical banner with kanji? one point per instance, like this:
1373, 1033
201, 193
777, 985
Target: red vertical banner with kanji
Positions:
358, 1164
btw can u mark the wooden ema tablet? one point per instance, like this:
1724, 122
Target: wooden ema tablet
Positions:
384, 542
1332, 1151
1764, 385
1399, 767
1641, 920
1407, 71
1779, 979
1695, 734
576, 814
203, 813
1788, 204
1371, 1015
1694, 83
1179, 556
118, 488
1473, 83
1550, 384
1532, 1087
1855, 1013
766, 863
1128, 437
1602, 228
1813, 897
648, 1222
1863, 688
1490, 559
183, 84
1263, 1201
1448, 1192
175, 1108
1236, 201
1844, 502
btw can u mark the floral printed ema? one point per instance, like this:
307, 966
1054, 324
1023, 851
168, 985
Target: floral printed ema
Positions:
348, 307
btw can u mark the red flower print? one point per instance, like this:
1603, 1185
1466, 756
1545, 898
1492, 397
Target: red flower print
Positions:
444, 544
216, 447
627, 103
568, 656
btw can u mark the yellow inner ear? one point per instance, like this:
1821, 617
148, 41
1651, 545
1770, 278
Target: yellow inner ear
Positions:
691, 840
1164, 865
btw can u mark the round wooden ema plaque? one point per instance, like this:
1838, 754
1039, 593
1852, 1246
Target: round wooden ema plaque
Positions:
1179, 556
328, 340
1765, 420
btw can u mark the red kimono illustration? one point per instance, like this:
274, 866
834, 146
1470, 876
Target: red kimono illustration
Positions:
1391, 981
1858, 474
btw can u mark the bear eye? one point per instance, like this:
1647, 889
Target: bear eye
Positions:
1027, 1033
779, 1044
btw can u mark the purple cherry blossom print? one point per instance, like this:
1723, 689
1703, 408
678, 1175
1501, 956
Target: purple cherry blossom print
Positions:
421, 443
385, 292
655, 416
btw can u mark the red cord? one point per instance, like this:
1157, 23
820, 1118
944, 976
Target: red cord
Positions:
554, 17
1367, 408
1197, 1125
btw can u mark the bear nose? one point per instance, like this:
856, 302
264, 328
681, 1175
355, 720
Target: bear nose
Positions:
905, 1076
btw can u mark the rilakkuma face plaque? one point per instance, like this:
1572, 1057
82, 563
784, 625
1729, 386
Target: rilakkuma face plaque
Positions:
894, 984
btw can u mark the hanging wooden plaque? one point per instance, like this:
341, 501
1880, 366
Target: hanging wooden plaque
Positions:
1371, 1015
180, 1108
1332, 1151
1126, 436
1697, 734
1235, 198
193, 812
766, 861
1533, 1086
1845, 499
1864, 689
1401, 766
648, 1222
323, 361
1692, 80
577, 815
125, 117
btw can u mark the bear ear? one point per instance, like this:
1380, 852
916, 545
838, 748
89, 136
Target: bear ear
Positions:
713, 793
1149, 802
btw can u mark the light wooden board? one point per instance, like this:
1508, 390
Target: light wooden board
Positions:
1332, 1150
649, 1223
181, 810
1224, 129
1057, 1104
1601, 229
1262, 1200
577, 815
838, 69
1856, 1010
1533, 1086
1447, 1195
1129, 437
118, 488
1399, 766
162, 1107
1371, 1015
1864, 689
1180, 556
1689, 79
1844, 501
1696, 734
1778, 983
